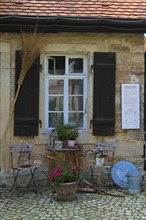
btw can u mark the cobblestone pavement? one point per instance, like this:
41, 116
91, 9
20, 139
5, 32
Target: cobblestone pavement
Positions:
86, 206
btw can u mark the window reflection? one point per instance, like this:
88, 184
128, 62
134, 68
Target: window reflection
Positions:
76, 119
56, 86
75, 103
75, 65
55, 119
76, 86
55, 103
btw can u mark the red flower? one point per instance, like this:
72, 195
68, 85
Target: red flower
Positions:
77, 168
51, 172
64, 174
58, 173
74, 171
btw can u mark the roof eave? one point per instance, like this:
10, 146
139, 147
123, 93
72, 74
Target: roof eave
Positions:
51, 24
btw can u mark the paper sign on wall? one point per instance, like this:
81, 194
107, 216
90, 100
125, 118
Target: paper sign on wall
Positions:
130, 106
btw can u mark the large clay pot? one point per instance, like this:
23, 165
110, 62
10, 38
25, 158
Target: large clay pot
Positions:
66, 191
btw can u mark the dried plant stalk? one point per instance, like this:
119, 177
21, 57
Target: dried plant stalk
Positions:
32, 43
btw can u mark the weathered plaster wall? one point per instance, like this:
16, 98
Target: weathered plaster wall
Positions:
129, 50
5, 70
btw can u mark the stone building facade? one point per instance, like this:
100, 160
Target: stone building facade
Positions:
129, 50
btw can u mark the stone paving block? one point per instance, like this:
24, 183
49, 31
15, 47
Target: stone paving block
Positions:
87, 206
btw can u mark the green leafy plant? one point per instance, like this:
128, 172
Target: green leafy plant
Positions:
62, 131
67, 132
64, 174
72, 133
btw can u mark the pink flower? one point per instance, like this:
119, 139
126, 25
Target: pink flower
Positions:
61, 174
73, 171
51, 172
77, 168
58, 173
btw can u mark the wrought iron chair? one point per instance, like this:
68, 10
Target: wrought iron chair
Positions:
105, 169
21, 158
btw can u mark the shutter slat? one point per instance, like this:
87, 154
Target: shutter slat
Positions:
104, 94
100, 66
27, 106
103, 120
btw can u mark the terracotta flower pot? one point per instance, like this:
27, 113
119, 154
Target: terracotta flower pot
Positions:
71, 143
66, 191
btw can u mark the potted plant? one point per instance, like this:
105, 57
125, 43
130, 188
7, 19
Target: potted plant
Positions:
67, 132
62, 132
100, 155
65, 179
72, 135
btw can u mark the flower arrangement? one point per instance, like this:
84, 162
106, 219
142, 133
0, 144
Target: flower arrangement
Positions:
98, 151
64, 174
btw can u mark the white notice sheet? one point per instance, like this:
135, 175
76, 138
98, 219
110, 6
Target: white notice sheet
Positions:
130, 106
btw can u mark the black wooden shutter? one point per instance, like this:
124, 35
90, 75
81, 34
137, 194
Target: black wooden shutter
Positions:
27, 106
145, 91
104, 94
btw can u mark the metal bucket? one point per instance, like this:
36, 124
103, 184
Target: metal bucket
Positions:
134, 182
101, 179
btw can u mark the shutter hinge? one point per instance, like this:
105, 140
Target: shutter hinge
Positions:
41, 67
40, 122
91, 70
91, 122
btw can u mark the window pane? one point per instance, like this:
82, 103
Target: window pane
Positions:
75, 65
56, 86
75, 103
76, 86
80, 120
56, 65
55, 103
73, 118
76, 119
55, 119
51, 66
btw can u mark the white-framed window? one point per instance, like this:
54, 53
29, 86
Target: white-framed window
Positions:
65, 90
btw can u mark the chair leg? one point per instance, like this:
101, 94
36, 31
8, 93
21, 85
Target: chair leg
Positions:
32, 179
92, 173
15, 174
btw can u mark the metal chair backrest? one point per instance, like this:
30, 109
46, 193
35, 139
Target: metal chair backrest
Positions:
21, 155
110, 149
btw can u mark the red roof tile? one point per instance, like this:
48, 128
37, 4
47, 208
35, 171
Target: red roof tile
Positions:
89, 8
